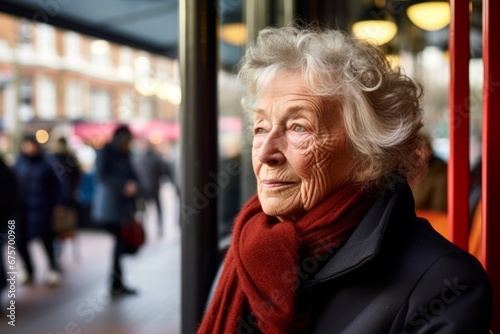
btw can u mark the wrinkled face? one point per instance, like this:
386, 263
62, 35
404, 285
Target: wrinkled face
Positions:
299, 152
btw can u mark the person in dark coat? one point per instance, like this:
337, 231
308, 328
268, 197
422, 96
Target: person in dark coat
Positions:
67, 169
331, 242
151, 168
431, 190
114, 200
8, 206
40, 194
69, 174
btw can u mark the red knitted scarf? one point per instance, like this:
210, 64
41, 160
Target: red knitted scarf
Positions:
261, 269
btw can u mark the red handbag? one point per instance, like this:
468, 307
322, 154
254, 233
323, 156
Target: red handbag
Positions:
133, 236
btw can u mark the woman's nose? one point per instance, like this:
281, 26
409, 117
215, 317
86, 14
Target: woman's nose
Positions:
272, 150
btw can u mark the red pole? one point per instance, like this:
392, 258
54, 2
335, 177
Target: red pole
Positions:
458, 166
491, 153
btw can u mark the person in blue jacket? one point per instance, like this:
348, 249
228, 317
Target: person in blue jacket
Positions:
115, 195
40, 194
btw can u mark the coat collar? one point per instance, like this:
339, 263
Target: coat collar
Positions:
365, 242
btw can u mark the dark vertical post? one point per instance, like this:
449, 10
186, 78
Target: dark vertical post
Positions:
491, 153
257, 16
458, 167
198, 65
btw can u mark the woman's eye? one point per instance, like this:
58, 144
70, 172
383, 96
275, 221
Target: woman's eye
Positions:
258, 131
298, 128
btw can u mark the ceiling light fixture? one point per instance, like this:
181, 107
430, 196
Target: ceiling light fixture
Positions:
234, 33
430, 15
377, 25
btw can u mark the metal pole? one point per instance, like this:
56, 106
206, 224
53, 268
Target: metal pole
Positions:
256, 15
491, 154
199, 184
458, 167
285, 11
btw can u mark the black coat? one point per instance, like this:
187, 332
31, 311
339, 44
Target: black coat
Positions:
39, 192
396, 274
8, 196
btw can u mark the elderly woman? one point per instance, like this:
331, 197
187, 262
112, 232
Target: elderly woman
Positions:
331, 243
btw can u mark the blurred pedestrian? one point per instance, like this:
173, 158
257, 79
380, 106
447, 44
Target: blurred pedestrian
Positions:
431, 189
40, 194
67, 167
8, 206
114, 201
151, 168
69, 174
85, 193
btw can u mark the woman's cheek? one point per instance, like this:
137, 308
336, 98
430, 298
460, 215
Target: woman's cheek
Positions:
303, 154
300, 141
257, 141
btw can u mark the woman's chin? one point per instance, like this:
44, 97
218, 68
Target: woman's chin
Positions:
277, 208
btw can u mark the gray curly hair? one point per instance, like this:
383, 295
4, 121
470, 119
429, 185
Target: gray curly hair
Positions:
380, 105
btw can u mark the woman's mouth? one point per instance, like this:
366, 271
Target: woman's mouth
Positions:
275, 183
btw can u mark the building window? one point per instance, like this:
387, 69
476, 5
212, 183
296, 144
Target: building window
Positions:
100, 104
26, 111
25, 34
100, 53
142, 64
125, 63
126, 107
72, 49
46, 98
46, 39
74, 101
146, 108
126, 56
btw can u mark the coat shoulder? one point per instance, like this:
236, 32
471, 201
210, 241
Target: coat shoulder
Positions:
451, 282
417, 282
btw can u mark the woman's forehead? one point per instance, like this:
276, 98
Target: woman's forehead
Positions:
285, 85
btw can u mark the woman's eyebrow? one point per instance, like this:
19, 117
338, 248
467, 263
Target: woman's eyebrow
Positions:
258, 111
300, 108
